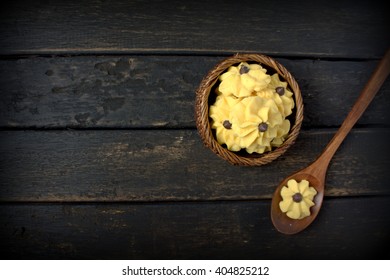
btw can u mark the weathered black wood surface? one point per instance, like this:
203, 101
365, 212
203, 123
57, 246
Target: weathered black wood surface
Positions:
165, 165
223, 230
343, 28
159, 91
100, 158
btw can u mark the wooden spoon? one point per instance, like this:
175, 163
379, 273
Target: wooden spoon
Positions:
316, 171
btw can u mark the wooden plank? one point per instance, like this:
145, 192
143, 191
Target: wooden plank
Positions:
159, 91
353, 29
173, 165
346, 228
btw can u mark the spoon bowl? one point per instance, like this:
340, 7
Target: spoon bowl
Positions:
315, 173
281, 221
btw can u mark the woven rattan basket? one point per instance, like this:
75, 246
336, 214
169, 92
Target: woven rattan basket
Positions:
204, 95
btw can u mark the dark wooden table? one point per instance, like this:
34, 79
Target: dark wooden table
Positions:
100, 157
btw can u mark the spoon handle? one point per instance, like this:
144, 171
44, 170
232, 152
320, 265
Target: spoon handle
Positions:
366, 96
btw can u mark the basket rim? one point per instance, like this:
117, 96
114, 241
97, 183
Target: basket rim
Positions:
202, 110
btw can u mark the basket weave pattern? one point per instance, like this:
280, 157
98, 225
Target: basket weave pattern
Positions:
202, 110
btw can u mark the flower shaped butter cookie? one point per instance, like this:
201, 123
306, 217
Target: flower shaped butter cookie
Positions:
281, 95
222, 123
297, 199
243, 80
257, 122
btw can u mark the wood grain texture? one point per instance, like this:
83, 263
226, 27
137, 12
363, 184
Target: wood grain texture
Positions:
353, 29
159, 91
173, 165
345, 229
